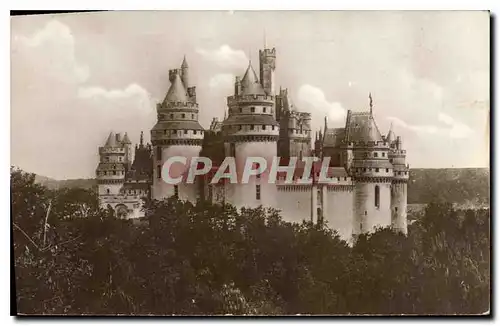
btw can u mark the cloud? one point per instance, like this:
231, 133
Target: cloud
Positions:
222, 81
457, 129
313, 100
58, 121
453, 129
130, 90
225, 57
56, 42
426, 129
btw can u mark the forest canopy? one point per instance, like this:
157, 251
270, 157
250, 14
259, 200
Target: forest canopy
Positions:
72, 257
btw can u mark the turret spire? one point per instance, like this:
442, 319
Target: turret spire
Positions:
141, 141
371, 103
184, 63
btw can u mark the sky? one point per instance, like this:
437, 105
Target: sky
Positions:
76, 77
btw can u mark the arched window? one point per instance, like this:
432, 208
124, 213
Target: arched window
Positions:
377, 196
107, 190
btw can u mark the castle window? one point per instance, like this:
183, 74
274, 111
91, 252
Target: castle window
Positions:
263, 127
264, 110
272, 127
377, 196
120, 159
176, 191
194, 132
241, 110
165, 131
158, 171
239, 127
252, 109
185, 131
377, 170
114, 172
251, 127
375, 154
107, 191
395, 209
383, 154
174, 132
171, 116
158, 153
366, 213
386, 170
364, 169
257, 192
192, 116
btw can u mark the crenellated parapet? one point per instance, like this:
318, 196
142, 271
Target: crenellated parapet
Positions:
237, 100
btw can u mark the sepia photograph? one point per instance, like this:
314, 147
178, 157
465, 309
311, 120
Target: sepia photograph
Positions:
250, 163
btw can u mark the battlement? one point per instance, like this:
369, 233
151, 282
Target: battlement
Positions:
267, 53
177, 105
112, 150
370, 144
236, 99
172, 73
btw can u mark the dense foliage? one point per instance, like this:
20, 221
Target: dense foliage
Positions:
209, 259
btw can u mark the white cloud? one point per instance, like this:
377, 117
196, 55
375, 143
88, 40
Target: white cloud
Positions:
222, 81
56, 42
130, 90
225, 57
427, 129
454, 128
457, 129
313, 100
57, 128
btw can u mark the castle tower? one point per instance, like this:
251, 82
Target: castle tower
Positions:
176, 133
185, 73
127, 144
399, 188
371, 171
251, 130
110, 172
267, 61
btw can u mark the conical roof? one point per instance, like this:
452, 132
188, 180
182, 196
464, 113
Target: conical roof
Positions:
176, 92
111, 142
390, 135
362, 127
126, 140
250, 83
184, 63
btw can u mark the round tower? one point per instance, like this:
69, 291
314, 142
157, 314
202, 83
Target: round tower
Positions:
110, 172
372, 173
251, 130
399, 188
267, 61
176, 133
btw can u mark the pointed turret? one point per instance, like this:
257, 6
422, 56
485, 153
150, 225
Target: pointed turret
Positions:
184, 63
390, 135
185, 73
126, 140
176, 92
111, 142
250, 83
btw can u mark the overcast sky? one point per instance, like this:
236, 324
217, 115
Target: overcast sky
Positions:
76, 77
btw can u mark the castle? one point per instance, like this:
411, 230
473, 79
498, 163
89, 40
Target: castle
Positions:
368, 169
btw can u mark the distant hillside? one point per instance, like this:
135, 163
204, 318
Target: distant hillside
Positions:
460, 186
70, 183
